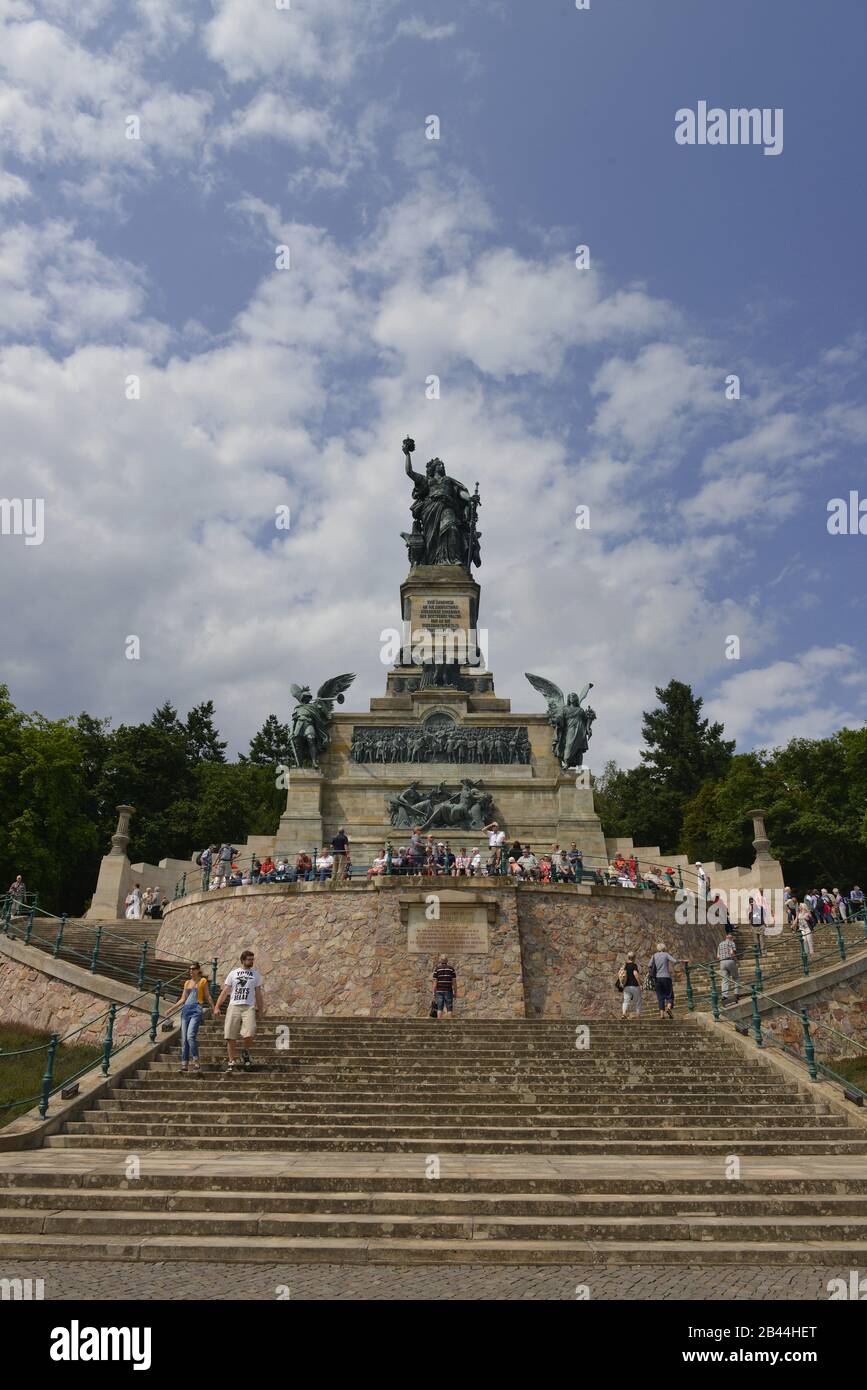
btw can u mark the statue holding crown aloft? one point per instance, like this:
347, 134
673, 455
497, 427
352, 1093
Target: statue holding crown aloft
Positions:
444, 514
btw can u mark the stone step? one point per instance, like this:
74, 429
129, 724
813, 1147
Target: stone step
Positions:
588, 1180
216, 1248
204, 1114
258, 1093
463, 1227
205, 1104
652, 1143
54, 1200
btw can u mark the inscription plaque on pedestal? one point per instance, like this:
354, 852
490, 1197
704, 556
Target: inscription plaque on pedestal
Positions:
460, 928
447, 937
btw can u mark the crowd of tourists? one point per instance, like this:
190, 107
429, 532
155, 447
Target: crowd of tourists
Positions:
140, 903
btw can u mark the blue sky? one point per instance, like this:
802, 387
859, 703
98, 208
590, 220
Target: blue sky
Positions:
410, 257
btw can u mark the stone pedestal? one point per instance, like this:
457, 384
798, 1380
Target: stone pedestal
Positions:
301, 823
577, 820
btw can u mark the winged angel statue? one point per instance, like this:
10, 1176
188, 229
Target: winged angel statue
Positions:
570, 720
309, 734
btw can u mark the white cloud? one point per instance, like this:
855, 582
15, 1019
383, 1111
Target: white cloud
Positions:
420, 29
326, 40
270, 115
55, 283
508, 315
12, 188
796, 697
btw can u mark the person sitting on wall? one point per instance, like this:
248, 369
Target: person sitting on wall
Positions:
379, 864
461, 866
669, 875
476, 864
266, 870
563, 867
303, 867
324, 863
545, 869
528, 864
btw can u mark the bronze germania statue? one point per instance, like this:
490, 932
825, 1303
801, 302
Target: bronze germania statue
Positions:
571, 721
443, 517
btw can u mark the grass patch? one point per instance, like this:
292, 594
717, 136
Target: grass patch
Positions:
854, 1069
21, 1077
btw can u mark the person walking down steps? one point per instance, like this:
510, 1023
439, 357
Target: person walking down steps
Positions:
194, 996
243, 989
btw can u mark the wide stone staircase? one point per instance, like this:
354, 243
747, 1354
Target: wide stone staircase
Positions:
415, 1141
118, 950
780, 957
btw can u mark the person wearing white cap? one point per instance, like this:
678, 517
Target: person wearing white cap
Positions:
701, 879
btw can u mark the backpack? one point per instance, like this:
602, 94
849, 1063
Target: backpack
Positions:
199, 858
621, 979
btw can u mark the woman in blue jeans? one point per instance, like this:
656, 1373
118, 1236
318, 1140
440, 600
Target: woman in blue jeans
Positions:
194, 996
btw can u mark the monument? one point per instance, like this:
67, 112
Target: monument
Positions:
440, 749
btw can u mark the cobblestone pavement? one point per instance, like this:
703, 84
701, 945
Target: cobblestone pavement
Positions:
98, 1280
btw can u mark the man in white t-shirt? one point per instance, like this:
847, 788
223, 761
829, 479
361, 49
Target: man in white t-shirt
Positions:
243, 989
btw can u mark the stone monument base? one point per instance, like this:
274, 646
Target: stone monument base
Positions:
521, 950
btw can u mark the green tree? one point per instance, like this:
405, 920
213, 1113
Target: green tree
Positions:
204, 744
270, 746
683, 750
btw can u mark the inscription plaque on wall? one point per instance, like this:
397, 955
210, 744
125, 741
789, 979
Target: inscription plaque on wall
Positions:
461, 931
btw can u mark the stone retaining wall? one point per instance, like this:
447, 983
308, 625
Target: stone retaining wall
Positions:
342, 950
32, 996
841, 1004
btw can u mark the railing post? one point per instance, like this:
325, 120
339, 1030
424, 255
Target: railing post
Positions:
183, 885
758, 955
757, 1018
48, 1078
155, 1016
841, 944
58, 940
141, 964
714, 994
28, 930
96, 945
388, 861
690, 998
214, 980
679, 877
109, 1039
808, 1047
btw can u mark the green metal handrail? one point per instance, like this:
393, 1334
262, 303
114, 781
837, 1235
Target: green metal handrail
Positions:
785, 971
103, 937
109, 1047
813, 1064
591, 869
